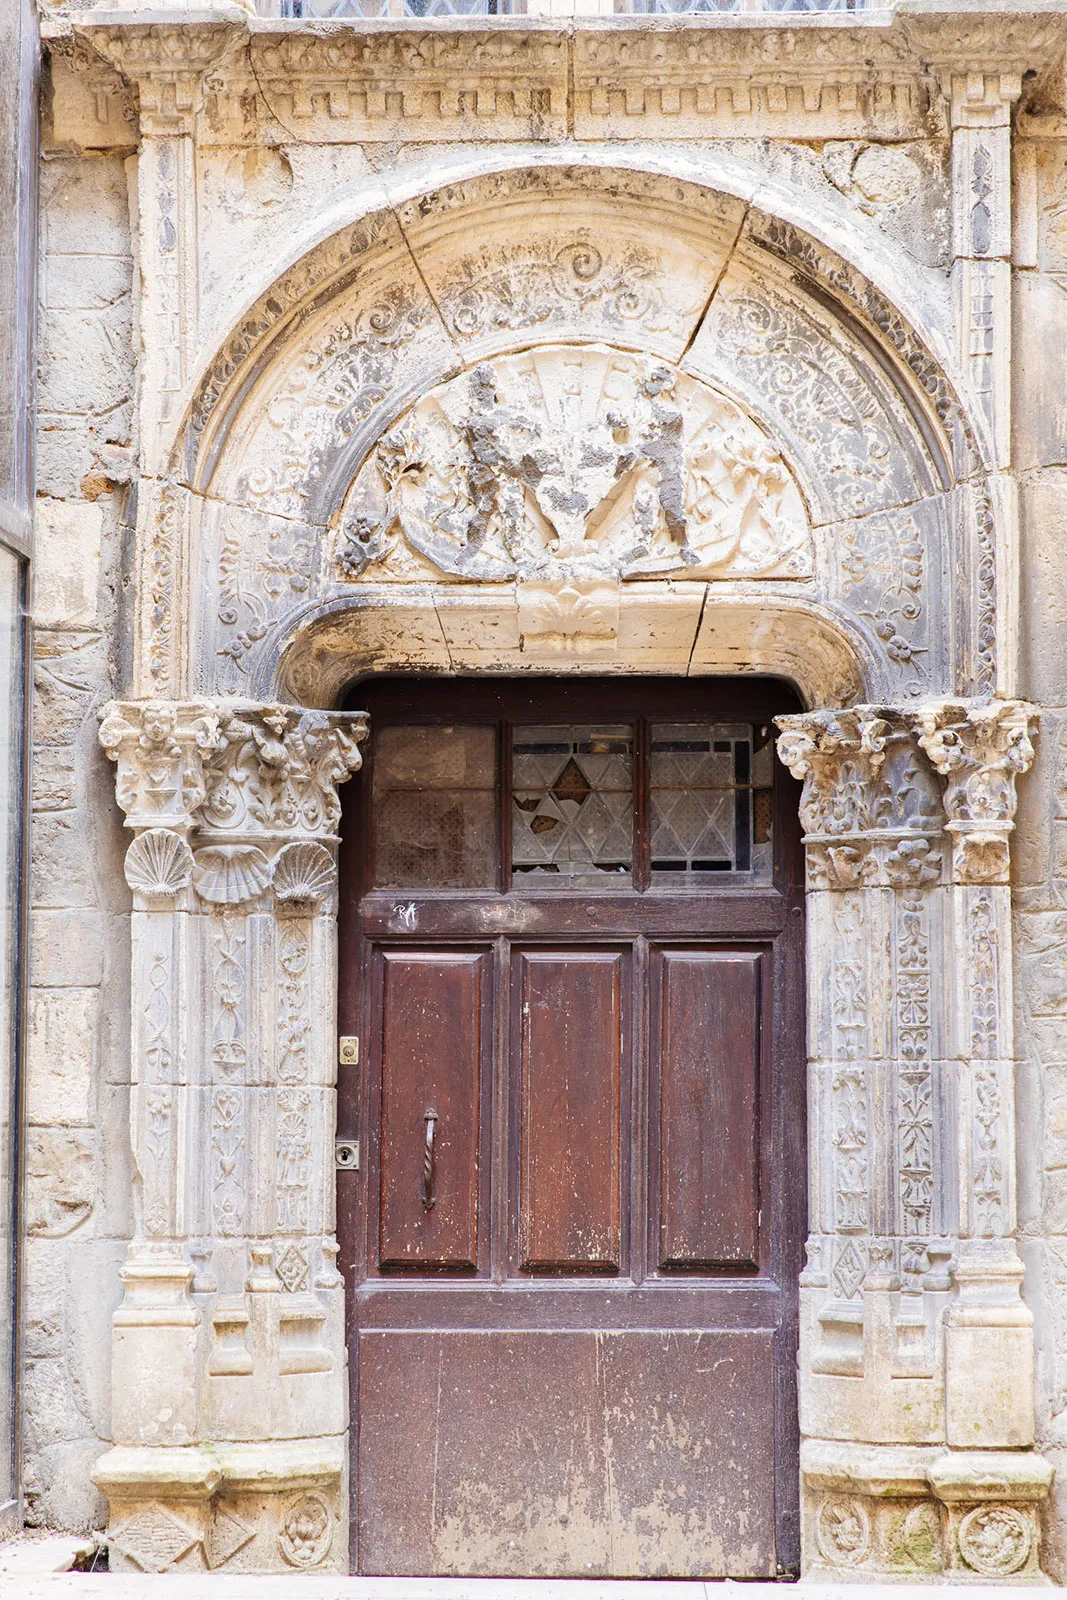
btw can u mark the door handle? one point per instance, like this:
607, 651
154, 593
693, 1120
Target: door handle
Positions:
429, 1196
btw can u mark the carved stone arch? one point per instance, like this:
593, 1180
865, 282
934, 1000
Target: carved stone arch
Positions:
310, 661
739, 300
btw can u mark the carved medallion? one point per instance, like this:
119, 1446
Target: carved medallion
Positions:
306, 1532
843, 1530
994, 1540
566, 462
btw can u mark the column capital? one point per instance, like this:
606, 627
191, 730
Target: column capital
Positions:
870, 807
980, 747
159, 747
275, 770
167, 59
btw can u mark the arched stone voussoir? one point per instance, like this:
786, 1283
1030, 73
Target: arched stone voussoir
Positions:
840, 416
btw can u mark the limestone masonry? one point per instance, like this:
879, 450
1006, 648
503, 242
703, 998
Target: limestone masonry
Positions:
311, 293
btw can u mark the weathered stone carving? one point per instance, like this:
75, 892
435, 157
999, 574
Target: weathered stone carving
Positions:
160, 748
870, 807
276, 769
159, 864
981, 749
843, 1529
994, 1540
587, 461
306, 1531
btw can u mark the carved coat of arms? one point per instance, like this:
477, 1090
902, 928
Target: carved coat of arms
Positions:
575, 461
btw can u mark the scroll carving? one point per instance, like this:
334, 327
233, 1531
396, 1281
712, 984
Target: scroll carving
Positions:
160, 747
980, 749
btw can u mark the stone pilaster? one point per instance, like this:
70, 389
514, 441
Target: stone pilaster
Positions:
914, 1337
167, 66
980, 750
980, 105
230, 1336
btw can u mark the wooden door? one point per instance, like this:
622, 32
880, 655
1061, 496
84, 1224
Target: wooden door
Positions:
572, 921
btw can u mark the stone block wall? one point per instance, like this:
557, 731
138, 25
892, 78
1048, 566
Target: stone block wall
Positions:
77, 1140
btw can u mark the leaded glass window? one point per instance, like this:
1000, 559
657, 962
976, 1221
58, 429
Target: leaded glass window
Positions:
711, 800
572, 803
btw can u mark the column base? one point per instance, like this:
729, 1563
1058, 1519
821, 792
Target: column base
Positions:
265, 1507
921, 1513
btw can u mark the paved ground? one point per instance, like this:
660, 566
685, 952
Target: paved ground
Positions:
206, 1586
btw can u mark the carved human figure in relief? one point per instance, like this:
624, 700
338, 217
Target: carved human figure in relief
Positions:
574, 461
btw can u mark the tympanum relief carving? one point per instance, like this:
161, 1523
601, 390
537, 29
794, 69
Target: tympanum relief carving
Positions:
574, 462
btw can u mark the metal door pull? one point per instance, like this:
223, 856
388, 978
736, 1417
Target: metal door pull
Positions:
429, 1197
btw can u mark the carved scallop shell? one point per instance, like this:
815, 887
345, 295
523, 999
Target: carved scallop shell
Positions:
304, 872
226, 874
158, 863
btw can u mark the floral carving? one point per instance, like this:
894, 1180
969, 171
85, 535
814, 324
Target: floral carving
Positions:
277, 768
981, 748
870, 802
159, 864
591, 461
306, 1531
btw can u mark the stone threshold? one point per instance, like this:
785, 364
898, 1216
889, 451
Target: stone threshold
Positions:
300, 1586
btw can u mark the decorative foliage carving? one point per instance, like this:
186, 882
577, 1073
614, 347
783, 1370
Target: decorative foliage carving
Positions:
870, 805
577, 461
159, 864
304, 873
994, 1540
293, 1160
294, 1026
228, 1051
160, 747
227, 1162
981, 748
276, 770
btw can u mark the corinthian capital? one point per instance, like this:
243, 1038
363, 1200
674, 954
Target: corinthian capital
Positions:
870, 806
160, 747
276, 768
980, 748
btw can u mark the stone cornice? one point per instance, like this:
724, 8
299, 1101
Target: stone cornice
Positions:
751, 74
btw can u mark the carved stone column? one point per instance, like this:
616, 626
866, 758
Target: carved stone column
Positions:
980, 750
911, 1163
230, 1336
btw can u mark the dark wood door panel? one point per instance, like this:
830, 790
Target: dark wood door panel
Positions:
431, 1055
733, 913
573, 1333
706, 1011
572, 1041
528, 1455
